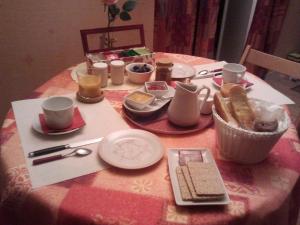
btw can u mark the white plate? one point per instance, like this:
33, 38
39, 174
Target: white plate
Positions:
173, 158
180, 71
37, 127
152, 108
80, 67
131, 149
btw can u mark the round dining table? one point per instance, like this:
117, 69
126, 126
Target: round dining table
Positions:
264, 193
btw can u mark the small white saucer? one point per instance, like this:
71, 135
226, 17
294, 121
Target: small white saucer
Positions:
37, 127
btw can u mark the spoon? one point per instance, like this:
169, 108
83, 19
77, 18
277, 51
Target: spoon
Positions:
79, 152
160, 99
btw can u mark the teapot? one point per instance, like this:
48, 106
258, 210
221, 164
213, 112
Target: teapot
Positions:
184, 109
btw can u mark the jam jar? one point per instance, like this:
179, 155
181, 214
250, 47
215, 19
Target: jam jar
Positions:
164, 70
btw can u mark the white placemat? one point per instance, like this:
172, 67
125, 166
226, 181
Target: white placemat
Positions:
260, 89
101, 119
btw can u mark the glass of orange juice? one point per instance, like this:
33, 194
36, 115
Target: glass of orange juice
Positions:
89, 85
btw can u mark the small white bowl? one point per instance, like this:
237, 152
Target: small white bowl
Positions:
139, 100
138, 77
157, 88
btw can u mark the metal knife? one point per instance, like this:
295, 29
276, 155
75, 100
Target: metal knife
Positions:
62, 147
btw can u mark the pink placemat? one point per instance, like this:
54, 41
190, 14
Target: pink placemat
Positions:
219, 81
159, 123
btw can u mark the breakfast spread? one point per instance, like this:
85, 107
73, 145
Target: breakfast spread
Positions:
140, 68
139, 99
164, 70
189, 155
198, 180
241, 109
139, 96
157, 88
141, 54
237, 111
225, 88
156, 85
265, 126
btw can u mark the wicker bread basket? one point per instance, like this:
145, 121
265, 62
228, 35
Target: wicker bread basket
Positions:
244, 146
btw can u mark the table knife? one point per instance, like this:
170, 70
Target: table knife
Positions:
62, 147
208, 75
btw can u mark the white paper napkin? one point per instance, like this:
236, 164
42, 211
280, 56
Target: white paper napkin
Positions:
101, 119
260, 89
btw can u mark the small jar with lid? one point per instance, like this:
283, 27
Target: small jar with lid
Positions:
117, 69
101, 68
164, 70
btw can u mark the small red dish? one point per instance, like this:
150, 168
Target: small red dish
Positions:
157, 88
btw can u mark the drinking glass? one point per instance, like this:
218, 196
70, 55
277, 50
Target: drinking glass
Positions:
89, 85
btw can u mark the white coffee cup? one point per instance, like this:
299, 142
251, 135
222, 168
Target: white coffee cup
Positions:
233, 73
58, 112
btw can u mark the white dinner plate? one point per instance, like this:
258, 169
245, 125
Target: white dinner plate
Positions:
181, 71
152, 108
173, 162
131, 149
36, 125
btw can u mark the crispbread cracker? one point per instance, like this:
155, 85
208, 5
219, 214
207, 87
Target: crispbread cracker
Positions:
205, 179
184, 190
191, 188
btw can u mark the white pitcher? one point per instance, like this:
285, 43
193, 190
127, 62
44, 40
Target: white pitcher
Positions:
184, 109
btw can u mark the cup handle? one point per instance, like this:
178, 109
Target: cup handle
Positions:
206, 95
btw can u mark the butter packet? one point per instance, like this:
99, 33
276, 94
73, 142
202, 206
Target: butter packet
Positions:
186, 156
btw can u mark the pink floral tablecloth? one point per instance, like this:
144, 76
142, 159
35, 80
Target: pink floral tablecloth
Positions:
265, 193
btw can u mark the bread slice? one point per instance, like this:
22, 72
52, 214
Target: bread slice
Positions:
223, 109
241, 109
225, 88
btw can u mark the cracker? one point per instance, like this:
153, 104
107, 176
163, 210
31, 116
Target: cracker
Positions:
184, 190
191, 188
205, 179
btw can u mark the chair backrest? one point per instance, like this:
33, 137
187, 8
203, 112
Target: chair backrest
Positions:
126, 37
270, 62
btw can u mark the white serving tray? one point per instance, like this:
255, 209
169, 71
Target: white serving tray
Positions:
173, 162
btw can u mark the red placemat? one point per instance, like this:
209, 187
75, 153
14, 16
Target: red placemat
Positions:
78, 122
159, 123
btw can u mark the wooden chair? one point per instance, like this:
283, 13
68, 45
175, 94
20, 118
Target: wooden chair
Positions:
127, 37
270, 62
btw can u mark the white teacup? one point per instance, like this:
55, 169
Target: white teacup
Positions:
233, 73
58, 112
